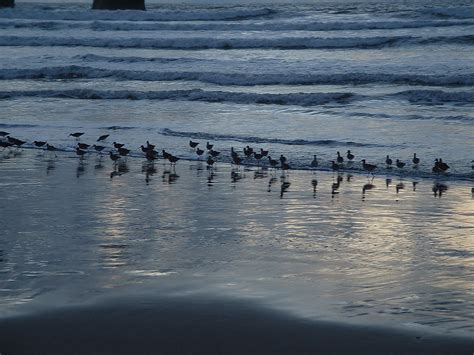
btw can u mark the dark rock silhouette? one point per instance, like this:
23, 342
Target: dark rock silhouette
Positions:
7, 3
117, 4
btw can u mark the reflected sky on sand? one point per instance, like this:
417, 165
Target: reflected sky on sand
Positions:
326, 245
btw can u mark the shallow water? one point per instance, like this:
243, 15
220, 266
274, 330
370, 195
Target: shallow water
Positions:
390, 251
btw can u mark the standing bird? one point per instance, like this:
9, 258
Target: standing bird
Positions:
166, 155
51, 149
3, 133
199, 152
415, 159
257, 157
173, 159
237, 160
103, 137
193, 144
350, 156
76, 135
118, 145
15, 141
389, 162
282, 159
273, 162
214, 153
368, 167
264, 153
400, 164
83, 145
210, 162
39, 144
248, 151
314, 163
335, 166
123, 151
98, 148
340, 159
209, 146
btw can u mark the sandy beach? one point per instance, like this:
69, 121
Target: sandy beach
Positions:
98, 258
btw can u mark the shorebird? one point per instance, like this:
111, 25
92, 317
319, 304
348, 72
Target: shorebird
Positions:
83, 145
103, 137
199, 152
173, 159
282, 159
237, 160
335, 166
388, 161
415, 159
257, 157
123, 151
5, 144
400, 164
98, 148
273, 162
264, 153
193, 144
39, 144
209, 146
15, 141
51, 149
3, 133
233, 153
314, 163
349, 155
368, 167
214, 153
248, 151
340, 159
118, 145
76, 134
150, 146
440, 165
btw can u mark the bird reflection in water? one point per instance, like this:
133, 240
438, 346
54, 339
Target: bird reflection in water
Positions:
388, 182
81, 168
170, 176
210, 177
438, 189
50, 166
349, 177
235, 175
120, 168
285, 184
335, 185
414, 183
260, 174
400, 186
314, 183
272, 180
367, 187
148, 167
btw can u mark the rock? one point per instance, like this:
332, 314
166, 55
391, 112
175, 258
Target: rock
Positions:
118, 5
7, 3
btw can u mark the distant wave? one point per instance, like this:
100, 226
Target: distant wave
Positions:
437, 96
236, 43
205, 14
239, 79
302, 99
461, 12
232, 26
259, 140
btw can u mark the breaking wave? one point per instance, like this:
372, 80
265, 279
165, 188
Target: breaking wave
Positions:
238, 79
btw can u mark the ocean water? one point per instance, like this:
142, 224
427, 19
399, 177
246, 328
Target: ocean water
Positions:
376, 78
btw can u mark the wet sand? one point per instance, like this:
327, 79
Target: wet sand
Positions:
194, 325
232, 261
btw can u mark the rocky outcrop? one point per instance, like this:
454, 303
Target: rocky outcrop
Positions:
118, 5
7, 3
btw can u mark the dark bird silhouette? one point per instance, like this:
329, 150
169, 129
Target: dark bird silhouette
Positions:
257, 157
76, 134
282, 159
349, 155
173, 159
150, 146
3, 133
368, 167
264, 153
248, 151
39, 144
440, 166
193, 144
98, 148
118, 145
273, 162
209, 146
15, 141
214, 153
388, 161
166, 155
340, 159
5, 144
123, 151
83, 145
103, 137
237, 160
52, 149
233, 153
400, 164
415, 159
199, 152
314, 163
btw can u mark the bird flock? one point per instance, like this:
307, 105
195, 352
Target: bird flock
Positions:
249, 156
